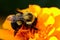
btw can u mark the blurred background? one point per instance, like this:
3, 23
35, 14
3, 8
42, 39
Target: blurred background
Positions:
9, 6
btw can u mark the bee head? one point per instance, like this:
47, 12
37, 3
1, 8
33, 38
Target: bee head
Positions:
28, 18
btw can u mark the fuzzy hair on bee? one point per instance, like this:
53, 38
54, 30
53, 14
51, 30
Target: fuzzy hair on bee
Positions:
26, 19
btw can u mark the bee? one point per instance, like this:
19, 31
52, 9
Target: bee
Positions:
26, 19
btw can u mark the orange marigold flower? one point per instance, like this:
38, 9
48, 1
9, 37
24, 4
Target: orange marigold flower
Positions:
48, 24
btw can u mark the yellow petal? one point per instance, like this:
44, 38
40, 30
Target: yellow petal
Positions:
53, 38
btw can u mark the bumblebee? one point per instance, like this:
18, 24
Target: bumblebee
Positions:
26, 19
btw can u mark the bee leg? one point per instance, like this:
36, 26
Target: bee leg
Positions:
16, 27
35, 28
34, 24
15, 32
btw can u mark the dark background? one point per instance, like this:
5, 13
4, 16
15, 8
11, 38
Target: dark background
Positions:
9, 6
